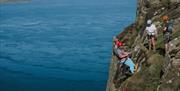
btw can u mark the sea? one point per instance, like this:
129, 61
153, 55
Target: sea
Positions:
59, 45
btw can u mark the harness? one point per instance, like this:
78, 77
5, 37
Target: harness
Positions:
151, 33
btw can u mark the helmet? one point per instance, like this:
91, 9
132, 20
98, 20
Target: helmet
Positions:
149, 22
165, 18
118, 43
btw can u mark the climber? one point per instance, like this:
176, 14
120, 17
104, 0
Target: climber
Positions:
125, 66
167, 32
128, 61
116, 48
119, 49
123, 56
151, 31
125, 69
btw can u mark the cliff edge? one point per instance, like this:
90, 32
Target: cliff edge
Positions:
156, 71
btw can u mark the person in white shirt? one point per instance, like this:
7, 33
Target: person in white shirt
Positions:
151, 31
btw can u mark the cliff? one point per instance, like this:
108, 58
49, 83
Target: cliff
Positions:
157, 71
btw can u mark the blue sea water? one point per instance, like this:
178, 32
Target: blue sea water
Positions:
59, 45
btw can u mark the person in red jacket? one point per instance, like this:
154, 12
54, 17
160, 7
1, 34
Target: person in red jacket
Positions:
119, 49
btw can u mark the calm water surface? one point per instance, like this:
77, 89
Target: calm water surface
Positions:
59, 45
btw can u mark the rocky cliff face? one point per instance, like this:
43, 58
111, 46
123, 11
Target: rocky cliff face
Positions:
157, 71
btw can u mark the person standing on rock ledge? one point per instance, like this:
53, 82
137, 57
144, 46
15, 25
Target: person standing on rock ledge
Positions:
151, 31
167, 31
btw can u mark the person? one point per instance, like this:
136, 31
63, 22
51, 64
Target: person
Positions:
125, 66
151, 31
125, 59
119, 49
116, 47
167, 32
130, 63
123, 56
125, 69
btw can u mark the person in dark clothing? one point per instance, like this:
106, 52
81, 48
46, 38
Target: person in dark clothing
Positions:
167, 32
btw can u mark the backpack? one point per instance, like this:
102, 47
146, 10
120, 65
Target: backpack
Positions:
170, 27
